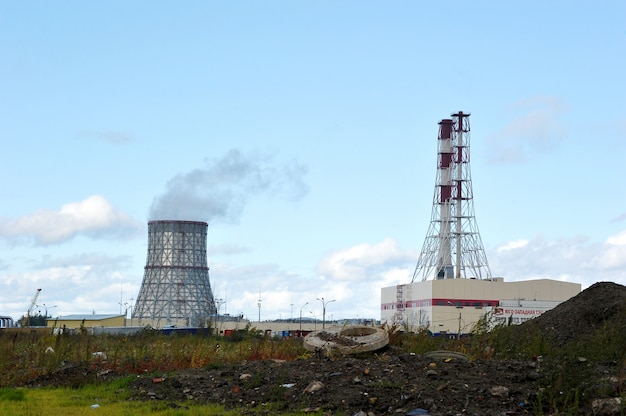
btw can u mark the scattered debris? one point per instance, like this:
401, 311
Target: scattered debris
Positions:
446, 356
313, 386
607, 407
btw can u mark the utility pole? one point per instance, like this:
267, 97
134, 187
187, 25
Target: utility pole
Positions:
301, 314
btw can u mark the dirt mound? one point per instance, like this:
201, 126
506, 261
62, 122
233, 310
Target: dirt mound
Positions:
392, 383
380, 385
600, 307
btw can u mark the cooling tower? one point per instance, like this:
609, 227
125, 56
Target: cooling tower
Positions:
176, 287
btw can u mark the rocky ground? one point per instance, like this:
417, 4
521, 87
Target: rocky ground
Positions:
386, 384
391, 383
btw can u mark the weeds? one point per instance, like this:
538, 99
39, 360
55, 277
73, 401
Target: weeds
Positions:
564, 386
26, 356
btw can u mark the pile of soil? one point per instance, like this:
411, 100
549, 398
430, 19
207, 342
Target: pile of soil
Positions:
601, 306
387, 384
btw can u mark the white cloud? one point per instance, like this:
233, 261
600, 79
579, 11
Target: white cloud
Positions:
617, 240
353, 277
226, 249
574, 259
67, 289
364, 261
94, 216
535, 128
512, 245
613, 256
93, 260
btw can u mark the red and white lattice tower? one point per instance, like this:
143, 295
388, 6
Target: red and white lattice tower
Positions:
453, 248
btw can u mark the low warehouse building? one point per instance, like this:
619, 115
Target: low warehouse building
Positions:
86, 321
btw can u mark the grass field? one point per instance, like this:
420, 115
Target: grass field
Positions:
110, 399
26, 356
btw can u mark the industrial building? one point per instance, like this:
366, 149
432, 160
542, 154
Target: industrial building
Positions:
6, 322
452, 286
453, 306
86, 321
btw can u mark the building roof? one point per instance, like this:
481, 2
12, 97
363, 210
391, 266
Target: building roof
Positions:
86, 317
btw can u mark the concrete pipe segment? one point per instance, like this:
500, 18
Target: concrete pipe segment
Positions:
347, 339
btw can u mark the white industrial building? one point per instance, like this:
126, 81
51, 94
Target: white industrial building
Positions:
454, 306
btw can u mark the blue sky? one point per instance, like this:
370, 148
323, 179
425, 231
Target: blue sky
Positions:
305, 134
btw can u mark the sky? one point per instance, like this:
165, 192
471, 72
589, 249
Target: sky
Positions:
305, 134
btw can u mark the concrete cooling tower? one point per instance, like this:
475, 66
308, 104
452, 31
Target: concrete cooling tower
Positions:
175, 287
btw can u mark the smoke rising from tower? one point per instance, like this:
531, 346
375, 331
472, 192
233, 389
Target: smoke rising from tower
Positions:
453, 248
221, 189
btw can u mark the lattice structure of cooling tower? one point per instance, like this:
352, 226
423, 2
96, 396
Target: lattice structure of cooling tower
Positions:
176, 286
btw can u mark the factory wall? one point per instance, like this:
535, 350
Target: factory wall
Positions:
86, 321
455, 305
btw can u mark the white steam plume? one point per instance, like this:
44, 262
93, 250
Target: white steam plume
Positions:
222, 187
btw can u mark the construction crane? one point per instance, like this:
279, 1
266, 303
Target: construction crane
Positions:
31, 307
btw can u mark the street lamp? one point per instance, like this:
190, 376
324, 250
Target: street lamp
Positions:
459, 306
301, 314
46, 307
219, 303
324, 303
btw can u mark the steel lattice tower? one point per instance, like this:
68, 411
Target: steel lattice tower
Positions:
453, 248
176, 282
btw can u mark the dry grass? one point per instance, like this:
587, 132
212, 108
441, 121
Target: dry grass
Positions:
25, 356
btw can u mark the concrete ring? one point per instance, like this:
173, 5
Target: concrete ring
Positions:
347, 340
